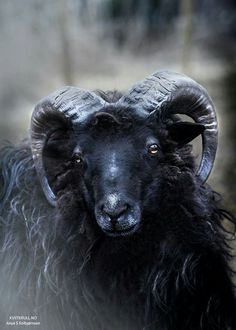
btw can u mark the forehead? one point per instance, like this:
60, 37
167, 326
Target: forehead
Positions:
105, 134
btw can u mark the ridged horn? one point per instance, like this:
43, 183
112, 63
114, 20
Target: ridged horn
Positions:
69, 105
174, 93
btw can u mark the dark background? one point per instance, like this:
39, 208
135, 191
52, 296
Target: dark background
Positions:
110, 44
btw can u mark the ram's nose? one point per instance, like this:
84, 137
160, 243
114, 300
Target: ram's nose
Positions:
113, 207
116, 215
114, 211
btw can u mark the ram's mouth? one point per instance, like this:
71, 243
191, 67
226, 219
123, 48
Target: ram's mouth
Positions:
117, 232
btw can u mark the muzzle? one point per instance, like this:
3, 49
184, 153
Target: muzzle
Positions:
117, 216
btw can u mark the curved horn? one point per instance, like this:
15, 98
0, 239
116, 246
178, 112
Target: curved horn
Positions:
68, 105
174, 93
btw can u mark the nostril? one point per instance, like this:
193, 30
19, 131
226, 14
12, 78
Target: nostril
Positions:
115, 212
122, 209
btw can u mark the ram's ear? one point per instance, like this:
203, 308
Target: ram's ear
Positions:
184, 132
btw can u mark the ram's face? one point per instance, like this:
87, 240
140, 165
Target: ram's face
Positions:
110, 167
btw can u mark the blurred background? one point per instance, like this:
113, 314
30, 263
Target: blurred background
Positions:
110, 44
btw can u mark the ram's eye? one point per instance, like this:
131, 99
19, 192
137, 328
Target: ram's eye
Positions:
153, 149
77, 158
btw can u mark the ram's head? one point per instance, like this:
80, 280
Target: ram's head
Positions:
109, 155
